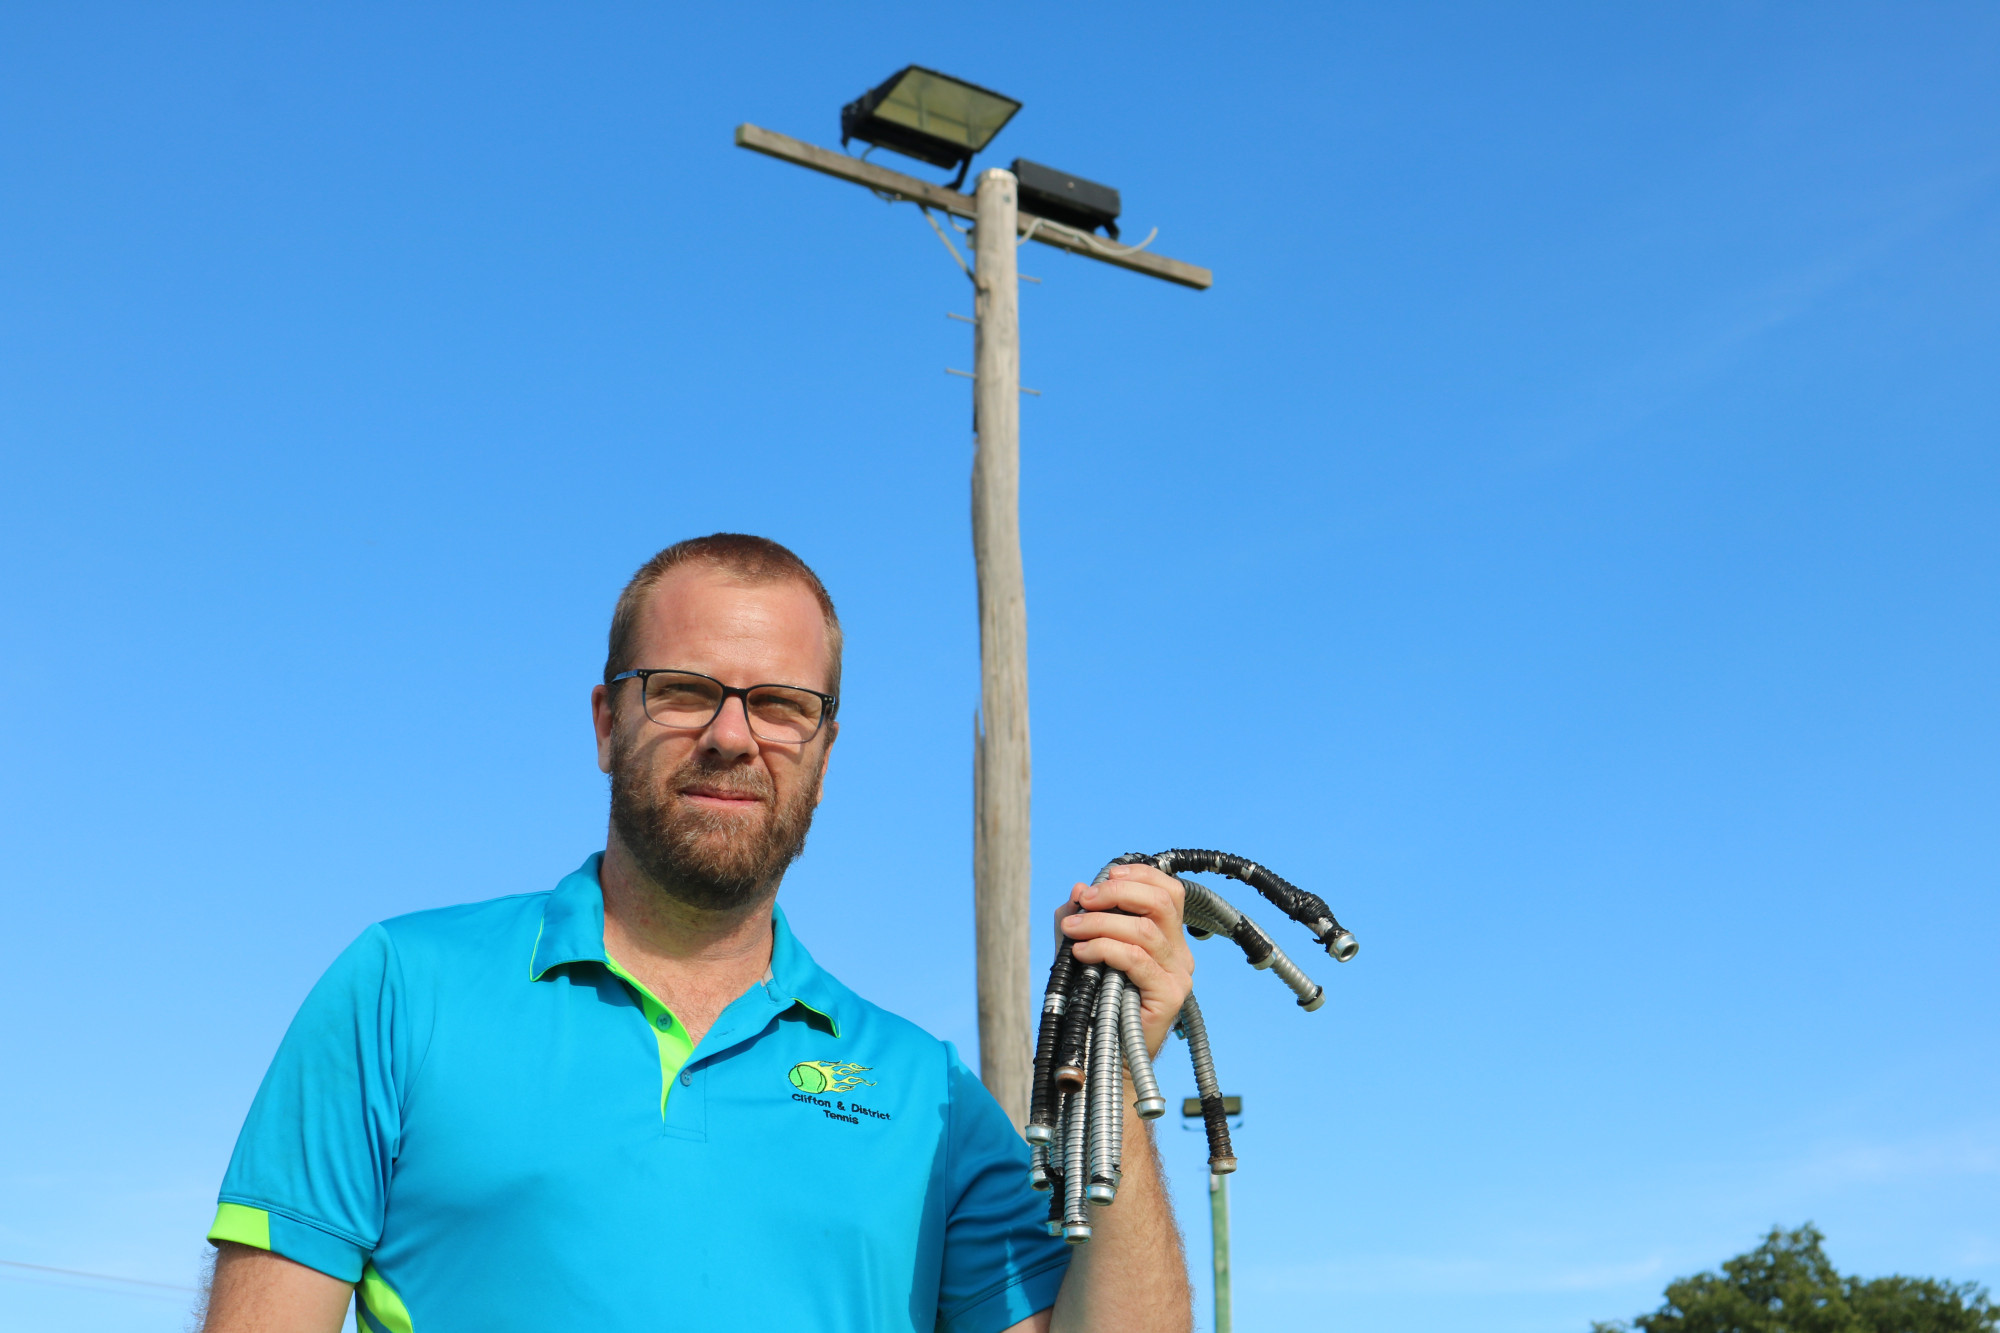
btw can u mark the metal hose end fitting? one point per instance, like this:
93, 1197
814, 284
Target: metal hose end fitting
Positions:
1069, 1078
1039, 1133
1199, 933
1055, 1227
1076, 1233
1318, 999
1101, 1193
1132, 1036
1342, 946
1038, 1178
1150, 1108
1221, 1166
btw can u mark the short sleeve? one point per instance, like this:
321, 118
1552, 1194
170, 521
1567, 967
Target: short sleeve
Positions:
1000, 1263
310, 1175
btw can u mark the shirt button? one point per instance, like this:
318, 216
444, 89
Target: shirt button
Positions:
687, 1079
665, 1022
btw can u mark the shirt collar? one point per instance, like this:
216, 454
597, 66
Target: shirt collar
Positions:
795, 976
572, 931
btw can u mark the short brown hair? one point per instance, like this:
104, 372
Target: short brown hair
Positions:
740, 556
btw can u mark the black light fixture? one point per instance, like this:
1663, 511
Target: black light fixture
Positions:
1061, 197
930, 116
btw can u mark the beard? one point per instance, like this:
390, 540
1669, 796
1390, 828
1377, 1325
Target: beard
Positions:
706, 858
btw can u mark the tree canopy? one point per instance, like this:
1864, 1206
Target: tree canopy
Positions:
1788, 1285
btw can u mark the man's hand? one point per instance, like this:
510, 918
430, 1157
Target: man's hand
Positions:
1132, 922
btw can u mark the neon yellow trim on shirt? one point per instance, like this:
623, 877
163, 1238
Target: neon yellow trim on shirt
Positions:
385, 1307
674, 1043
831, 1026
242, 1224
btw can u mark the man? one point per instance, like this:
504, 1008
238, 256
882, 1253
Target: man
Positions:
634, 1102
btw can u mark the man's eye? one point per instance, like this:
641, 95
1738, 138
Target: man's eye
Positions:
681, 695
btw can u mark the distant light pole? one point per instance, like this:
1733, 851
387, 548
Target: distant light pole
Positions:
1218, 1216
944, 121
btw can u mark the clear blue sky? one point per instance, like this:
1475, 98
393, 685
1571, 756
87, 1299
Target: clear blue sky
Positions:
1583, 474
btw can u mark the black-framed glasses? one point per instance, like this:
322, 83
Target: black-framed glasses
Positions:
781, 714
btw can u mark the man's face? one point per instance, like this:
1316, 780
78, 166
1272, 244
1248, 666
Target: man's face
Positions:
715, 815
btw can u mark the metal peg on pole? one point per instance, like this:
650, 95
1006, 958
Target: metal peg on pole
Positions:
1001, 785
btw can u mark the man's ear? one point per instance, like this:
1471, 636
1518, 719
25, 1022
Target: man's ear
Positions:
825, 758
602, 718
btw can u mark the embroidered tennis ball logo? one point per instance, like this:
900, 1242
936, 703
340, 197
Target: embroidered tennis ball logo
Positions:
829, 1076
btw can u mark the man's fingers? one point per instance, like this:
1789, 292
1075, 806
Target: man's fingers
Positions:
1138, 889
1142, 969
1143, 931
1162, 953
1162, 989
1137, 906
1131, 922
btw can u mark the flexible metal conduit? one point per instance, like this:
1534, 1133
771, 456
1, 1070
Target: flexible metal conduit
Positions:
1091, 1038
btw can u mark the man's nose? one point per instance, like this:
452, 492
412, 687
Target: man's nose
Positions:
729, 735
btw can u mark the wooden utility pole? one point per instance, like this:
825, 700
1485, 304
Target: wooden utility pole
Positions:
1000, 740
1000, 850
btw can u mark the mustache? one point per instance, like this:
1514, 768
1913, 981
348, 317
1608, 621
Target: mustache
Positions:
696, 773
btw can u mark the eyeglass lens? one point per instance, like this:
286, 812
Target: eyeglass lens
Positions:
776, 713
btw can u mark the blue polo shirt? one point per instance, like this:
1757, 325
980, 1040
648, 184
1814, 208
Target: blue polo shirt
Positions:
487, 1125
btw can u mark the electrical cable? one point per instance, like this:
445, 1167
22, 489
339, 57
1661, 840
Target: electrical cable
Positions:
94, 1277
1077, 238
963, 266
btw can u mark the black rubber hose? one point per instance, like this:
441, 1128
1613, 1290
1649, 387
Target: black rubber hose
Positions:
1217, 1123
1221, 1155
1308, 909
1069, 1072
1055, 1001
1250, 937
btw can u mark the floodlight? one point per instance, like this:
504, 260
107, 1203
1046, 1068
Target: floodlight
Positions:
930, 116
1061, 197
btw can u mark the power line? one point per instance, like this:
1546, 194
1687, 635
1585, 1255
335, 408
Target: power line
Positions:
98, 1277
